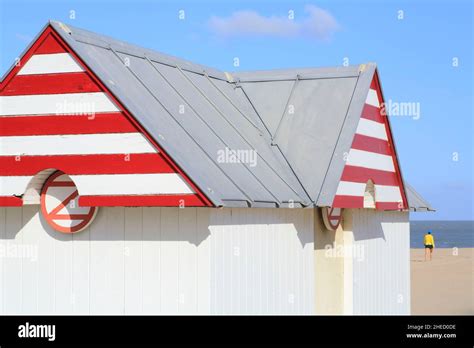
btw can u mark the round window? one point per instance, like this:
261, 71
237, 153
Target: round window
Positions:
60, 206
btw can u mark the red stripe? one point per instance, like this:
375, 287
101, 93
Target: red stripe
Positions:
341, 201
371, 112
138, 201
370, 144
145, 163
65, 124
373, 85
388, 206
10, 201
51, 84
50, 45
362, 175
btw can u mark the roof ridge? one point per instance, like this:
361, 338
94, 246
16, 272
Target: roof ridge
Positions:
121, 46
198, 68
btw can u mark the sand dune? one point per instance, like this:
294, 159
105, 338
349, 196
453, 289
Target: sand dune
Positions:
444, 285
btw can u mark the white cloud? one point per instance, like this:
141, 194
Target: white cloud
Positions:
316, 24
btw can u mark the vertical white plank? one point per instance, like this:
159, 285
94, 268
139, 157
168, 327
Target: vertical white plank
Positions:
213, 259
203, 262
133, 260
3, 249
284, 233
151, 260
256, 294
274, 233
254, 269
187, 276
12, 263
404, 229
272, 228
227, 273
267, 291
169, 260
302, 242
292, 273
63, 303
80, 271
29, 256
286, 287
116, 254
259, 295
280, 233
246, 259
309, 275
300, 239
46, 267
100, 300
236, 261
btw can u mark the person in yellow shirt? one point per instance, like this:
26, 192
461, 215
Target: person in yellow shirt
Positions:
429, 243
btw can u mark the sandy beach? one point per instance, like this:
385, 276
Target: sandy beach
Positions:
444, 285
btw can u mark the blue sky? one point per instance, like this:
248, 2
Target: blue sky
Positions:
415, 56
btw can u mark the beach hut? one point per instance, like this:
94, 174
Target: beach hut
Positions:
136, 182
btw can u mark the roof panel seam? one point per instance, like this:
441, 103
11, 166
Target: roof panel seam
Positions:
108, 46
235, 129
232, 103
244, 139
285, 109
144, 85
238, 85
278, 148
202, 120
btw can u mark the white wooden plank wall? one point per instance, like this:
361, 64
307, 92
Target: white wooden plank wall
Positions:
128, 261
382, 276
262, 261
159, 260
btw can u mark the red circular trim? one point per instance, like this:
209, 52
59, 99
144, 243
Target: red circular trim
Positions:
327, 217
331, 218
87, 220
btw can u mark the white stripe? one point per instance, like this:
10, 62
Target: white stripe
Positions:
371, 129
371, 160
70, 103
110, 184
13, 185
50, 64
131, 184
387, 193
372, 98
348, 188
77, 144
383, 193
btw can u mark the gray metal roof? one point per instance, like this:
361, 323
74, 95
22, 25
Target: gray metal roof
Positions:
415, 201
300, 122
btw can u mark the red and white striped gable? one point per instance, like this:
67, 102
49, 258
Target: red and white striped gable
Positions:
372, 159
56, 115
